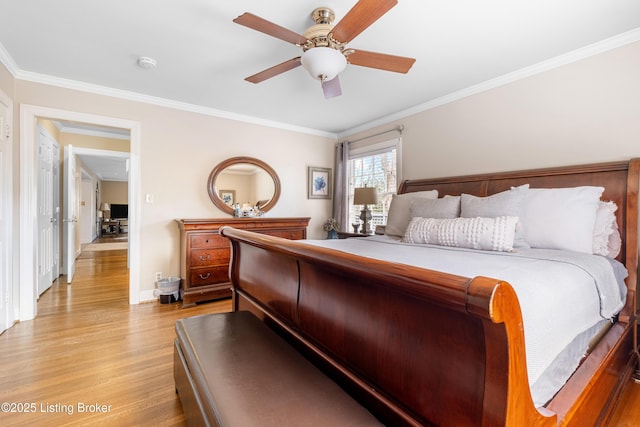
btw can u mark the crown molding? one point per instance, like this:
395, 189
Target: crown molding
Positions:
115, 134
8, 61
162, 102
611, 43
614, 42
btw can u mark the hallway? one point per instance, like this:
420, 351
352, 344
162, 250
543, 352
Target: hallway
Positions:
91, 358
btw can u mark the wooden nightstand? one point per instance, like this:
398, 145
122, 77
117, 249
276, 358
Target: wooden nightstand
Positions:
346, 235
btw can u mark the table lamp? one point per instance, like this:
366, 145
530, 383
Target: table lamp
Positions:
365, 196
106, 208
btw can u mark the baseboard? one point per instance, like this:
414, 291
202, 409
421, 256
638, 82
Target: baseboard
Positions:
147, 296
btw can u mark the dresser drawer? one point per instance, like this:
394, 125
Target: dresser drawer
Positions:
209, 275
207, 240
205, 257
204, 262
287, 234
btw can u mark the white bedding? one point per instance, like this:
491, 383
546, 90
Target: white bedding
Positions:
562, 294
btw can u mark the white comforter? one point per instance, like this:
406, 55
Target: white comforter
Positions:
562, 294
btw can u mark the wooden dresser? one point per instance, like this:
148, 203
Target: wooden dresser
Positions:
204, 253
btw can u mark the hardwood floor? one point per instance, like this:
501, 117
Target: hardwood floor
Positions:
627, 413
91, 358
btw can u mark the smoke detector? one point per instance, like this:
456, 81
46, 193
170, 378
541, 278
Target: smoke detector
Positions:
147, 63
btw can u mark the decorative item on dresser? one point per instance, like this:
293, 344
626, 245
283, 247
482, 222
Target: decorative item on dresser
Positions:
204, 253
332, 227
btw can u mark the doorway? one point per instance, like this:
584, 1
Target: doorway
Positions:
28, 227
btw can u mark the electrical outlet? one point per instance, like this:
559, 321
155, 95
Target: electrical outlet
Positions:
158, 275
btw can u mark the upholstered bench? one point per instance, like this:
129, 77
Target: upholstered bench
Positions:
231, 369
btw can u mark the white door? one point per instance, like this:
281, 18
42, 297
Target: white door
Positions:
6, 319
45, 210
86, 222
70, 212
55, 269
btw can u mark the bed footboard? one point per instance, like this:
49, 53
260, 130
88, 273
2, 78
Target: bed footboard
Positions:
414, 346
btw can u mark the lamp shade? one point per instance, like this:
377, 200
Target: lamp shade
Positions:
323, 63
106, 207
365, 196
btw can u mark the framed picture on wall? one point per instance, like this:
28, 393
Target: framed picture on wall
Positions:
319, 183
228, 196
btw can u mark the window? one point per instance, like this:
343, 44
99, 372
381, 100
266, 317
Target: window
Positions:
374, 165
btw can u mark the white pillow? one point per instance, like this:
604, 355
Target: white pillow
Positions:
562, 218
506, 203
446, 207
494, 234
398, 216
606, 236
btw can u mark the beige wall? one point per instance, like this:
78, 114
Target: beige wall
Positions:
52, 130
94, 142
240, 183
7, 82
114, 192
178, 151
586, 111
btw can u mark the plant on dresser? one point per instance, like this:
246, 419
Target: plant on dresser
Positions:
204, 253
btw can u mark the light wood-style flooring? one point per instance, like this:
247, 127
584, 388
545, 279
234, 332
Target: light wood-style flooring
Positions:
90, 358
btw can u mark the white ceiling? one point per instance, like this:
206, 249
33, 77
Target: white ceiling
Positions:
203, 56
107, 168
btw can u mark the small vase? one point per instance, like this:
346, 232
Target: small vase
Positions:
332, 234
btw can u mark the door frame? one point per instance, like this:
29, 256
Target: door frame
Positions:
6, 185
28, 199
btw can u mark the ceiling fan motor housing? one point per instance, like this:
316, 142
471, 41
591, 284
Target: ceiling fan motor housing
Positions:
323, 57
323, 15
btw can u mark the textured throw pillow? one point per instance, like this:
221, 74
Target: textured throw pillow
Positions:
398, 216
446, 207
562, 218
606, 236
493, 234
506, 203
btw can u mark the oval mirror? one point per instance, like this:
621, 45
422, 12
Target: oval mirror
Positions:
243, 180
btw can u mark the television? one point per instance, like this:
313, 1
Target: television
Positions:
119, 211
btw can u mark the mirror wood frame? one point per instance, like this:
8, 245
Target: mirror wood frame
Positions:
213, 176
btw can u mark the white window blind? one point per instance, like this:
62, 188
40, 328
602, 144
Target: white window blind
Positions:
373, 164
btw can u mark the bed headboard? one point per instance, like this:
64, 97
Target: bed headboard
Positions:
620, 180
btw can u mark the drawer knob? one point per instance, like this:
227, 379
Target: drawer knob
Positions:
208, 257
205, 276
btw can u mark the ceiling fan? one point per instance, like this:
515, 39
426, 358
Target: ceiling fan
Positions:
325, 54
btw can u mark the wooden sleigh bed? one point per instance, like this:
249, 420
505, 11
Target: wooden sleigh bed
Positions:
423, 347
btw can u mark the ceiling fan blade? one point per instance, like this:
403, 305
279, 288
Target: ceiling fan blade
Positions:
260, 24
382, 61
363, 14
274, 71
331, 88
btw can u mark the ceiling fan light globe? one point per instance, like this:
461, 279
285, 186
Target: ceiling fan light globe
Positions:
323, 63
